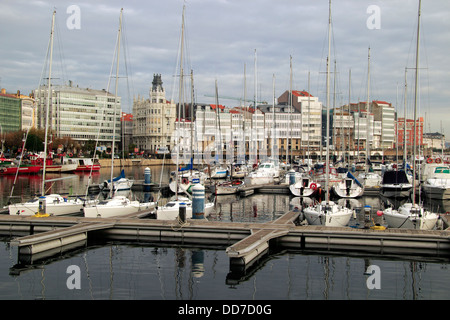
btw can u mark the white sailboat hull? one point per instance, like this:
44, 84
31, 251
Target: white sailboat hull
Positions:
55, 205
228, 187
437, 189
403, 218
172, 212
119, 185
304, 188
258, 179
400, 190
117, 206
329, 216
347, 188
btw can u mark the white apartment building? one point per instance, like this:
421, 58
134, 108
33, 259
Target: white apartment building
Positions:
28, 112
310, 110
80, 113
154, 119
384, 112
234, 127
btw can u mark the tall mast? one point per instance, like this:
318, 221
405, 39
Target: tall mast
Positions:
119, 35
405, 150
288, 135
52, 30
327, 161
309, 112
415, 102
349, 99
244, 111
368, 113
272, 153
180, 98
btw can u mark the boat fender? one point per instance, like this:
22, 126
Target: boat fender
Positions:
379, 213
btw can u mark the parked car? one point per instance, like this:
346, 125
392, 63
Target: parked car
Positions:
162, 152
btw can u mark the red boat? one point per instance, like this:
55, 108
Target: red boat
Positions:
23, 169
86, 164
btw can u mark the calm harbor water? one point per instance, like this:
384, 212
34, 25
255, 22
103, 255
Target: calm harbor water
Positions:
131, 271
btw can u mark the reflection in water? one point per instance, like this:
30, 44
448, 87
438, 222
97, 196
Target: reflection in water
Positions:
121, 271
129, 271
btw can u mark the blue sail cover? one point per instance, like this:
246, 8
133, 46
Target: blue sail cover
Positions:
190, 166
122, 175
354, 178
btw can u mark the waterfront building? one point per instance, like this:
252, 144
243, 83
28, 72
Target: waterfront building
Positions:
235, 128
435, 141
10, 112
343, 131
28, 112
83, 114
126, 121
283, 127
154, 119
384, 113
310, 110
409, 134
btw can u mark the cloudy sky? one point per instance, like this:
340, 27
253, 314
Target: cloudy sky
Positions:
222, 36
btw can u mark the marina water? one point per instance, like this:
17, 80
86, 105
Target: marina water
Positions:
137, 271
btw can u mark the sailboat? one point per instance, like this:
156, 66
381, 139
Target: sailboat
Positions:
117, 204
348, 187
53, 204
119, 183
369, 178
170, 210
328, 213
412, 215
305, 186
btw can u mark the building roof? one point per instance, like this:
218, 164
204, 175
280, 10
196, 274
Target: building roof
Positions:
126, 117
381, 102
213, 106
302, 93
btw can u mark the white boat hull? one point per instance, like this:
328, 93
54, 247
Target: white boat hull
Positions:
119, 185
228, 187
185, 181
347, 188
172, 213
117, 206
334, 216
437, 189
257, 180
402, 218
55, 205
396, 190
304, 189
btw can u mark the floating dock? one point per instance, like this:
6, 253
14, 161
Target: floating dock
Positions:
264, 188
245, 243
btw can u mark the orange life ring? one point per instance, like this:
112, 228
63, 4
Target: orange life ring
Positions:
185, 181
438, 160
70, 154
39, 160
313, 186
429, 160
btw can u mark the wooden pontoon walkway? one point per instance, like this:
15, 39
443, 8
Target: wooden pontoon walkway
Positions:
244, 242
